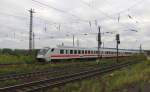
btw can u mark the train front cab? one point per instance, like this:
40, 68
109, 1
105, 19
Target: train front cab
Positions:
44, 55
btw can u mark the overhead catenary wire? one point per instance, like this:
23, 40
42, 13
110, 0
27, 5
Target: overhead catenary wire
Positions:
60, 10
20, 17
25, 17
115, 14
100, 11
13, 15
125, 10
130, 7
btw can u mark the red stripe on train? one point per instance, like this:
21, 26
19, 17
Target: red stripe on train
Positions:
65, 55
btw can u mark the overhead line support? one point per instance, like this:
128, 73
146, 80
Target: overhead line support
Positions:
31, 11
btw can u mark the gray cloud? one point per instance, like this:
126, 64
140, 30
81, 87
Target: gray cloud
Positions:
51, 27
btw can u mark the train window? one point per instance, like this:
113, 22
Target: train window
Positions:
52, 49
96, 52
71, 51
61, 51
43, 51
79, 51
89, 52
66, 51
75, 51
82, 51
85, 51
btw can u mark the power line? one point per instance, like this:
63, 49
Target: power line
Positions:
59, 10
55, 23
110, 16
16, 16
131, 7
97, 9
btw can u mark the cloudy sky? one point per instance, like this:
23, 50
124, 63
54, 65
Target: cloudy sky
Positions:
55, 22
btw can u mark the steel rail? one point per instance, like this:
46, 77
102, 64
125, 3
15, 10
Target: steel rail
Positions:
61, 80
40, 73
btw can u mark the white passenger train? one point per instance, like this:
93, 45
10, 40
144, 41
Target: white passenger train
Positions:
65, 52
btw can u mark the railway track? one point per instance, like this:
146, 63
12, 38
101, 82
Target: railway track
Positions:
61, 80
23, 76
6, 65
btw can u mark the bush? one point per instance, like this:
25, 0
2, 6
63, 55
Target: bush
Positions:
13, 59
17, 51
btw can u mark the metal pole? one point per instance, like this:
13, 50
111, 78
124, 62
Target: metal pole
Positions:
99, 43
30, 33
140, 49
103, 45
117, 51
78, 42
118, 42
33, 40
73, 40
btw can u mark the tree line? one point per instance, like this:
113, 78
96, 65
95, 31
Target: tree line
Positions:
18, 51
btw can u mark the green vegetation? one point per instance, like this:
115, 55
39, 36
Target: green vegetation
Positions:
13, 59
25, 67
9, 83
34, 66
133, 74
117, 80
16, 56
8, 51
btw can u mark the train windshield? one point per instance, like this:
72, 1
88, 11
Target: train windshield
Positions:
43, 51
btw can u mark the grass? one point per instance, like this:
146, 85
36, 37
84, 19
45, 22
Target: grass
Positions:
133, 74
28, 63
26, 67
117, 80
34, 66
16, 59
9, 82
